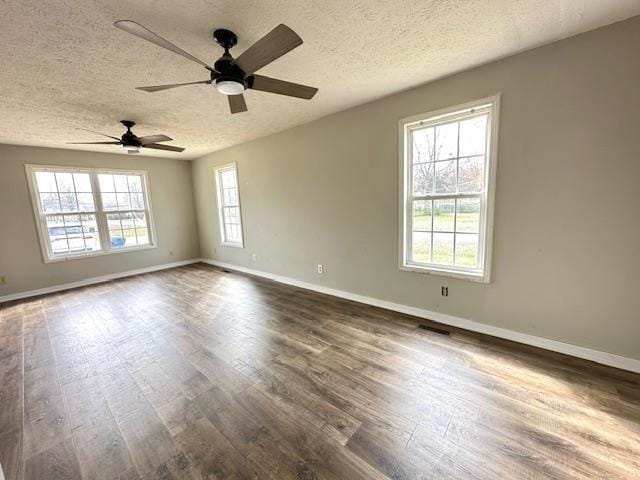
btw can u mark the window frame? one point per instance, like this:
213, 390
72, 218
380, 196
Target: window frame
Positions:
218, 170
100, 214
487, 197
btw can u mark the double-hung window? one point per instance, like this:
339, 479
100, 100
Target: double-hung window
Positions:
448, 162
229, 205
85, 212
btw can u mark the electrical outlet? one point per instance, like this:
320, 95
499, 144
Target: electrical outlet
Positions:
3, 280
254, 257
444, 291
320, 268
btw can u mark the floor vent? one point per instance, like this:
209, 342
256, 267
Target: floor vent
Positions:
441, 331
226, 271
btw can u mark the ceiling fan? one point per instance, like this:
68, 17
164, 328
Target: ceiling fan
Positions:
232, 76
131, 142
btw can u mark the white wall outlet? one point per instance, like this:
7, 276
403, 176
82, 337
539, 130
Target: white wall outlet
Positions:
320, 268
254, 257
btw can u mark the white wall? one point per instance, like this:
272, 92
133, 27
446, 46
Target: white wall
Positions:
21, 262
566, 244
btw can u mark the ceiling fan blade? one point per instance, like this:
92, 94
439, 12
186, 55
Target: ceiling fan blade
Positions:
273, 45
154, 139
273, 85
237, 103
94, 143
97, 133
157, 146
138, 30
157, 88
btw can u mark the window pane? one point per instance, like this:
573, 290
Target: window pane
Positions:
46, 182
231, 215
116, 238
467, 250
447, 141
421, 247
140, 219
443, 248
91, 237
109, 201
50, 202
85, 202
423, 145
123, 201
423, 179
446, 177
135, 183
120, 182
471, 174
473, 135
113, 221
126, 218
468, 215
65, 182
68, 202
230, 196
137, 201
129, 237
57, 234
228, 178
106, 182
82, 182
143, 236
421, 215
443, 215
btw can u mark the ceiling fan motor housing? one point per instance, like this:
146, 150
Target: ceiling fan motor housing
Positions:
129, 138
229, 78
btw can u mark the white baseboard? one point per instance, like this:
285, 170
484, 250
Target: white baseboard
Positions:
93, 280
597, 356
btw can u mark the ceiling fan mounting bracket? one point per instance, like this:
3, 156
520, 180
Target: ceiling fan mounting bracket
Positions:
225, 38
128, 123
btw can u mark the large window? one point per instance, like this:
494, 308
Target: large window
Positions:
229, 205
448, 169
82, 212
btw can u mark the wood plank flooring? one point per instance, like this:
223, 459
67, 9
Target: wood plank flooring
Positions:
196, 373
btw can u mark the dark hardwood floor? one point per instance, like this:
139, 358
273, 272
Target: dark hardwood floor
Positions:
194, 373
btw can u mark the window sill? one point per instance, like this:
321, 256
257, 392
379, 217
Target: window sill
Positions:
479, 277
99, 253
232, 244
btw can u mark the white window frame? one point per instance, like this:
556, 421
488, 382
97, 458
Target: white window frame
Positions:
101, 215
487, 199
221, 206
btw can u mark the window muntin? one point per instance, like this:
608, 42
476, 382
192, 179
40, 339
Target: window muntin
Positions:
229, 205
76, 210
447, 169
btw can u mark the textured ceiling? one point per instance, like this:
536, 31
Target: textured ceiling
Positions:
63, 64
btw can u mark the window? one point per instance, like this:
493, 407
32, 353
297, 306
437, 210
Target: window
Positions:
229, 205
82, 212
447, 174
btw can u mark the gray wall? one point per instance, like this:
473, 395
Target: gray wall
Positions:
20, 255
567, 227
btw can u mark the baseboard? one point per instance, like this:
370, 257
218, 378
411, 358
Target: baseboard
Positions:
94, 280
610, 359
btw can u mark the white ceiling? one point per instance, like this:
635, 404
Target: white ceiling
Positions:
63, 64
